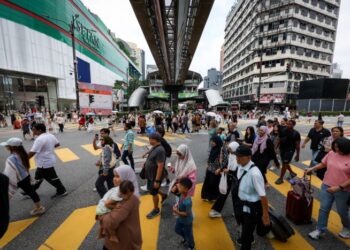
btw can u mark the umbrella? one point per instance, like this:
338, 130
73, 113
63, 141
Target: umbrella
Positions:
211, 114
157, 112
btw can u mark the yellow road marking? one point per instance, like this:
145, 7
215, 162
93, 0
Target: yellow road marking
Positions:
169, 138
149, 227
72, 232
334, 223
139, 143
66, 155
144, 138
32, 163
91, 150
306, 163
208, 233
297, 241
14, 229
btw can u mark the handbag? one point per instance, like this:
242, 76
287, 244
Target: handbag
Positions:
223, 184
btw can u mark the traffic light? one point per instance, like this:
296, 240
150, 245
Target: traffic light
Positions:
288, 68
91, 99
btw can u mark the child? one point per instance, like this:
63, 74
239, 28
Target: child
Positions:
111, 200
183, 211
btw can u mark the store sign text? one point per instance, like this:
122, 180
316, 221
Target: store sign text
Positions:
88, 35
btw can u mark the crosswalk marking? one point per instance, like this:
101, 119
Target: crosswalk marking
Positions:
91, 150
306, 163
14, 229
149, 228
139, 143
208, 233
66, 155
71, 233
334, 223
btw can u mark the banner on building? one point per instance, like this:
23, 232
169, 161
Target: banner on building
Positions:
95, 98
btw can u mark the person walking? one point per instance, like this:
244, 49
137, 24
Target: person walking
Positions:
289, 144
263, 151
142, 124
185, 123
106, 164
340, 120
60, 121
274, 136
43, 150
335, 188
175, 122
17, 170
128, 146
210, 188
316, 136
168, 121
154, 172
249, 136
184, 167
251, 207
231, 172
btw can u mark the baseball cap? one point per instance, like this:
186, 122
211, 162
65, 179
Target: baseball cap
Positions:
13, 142
243, 151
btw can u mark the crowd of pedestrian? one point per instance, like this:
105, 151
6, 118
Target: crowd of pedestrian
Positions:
236, 164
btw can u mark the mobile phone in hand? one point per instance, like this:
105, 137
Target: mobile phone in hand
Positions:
96, 136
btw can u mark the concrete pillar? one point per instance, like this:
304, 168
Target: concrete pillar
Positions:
174, 99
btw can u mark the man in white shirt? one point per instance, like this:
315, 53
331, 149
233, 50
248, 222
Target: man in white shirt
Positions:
251, 207
43, 149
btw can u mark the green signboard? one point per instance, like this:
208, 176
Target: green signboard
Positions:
182, 95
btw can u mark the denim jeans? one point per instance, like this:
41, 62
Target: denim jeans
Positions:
314, 155
340, 123
185, 231
131, 159
327, 200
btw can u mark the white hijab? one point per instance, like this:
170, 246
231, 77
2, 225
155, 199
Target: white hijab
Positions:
232, 159
125, 172
183, 167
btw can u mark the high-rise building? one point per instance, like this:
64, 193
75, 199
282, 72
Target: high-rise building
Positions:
138, 55
263, 38
213, 80
336, 71
222, 58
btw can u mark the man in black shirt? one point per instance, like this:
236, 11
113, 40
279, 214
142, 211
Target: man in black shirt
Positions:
289, 143
316, 135
232, 134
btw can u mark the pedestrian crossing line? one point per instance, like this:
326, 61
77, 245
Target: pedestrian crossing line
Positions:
144, 138
72, 232
91, 150
149, 227
306, 163
14, 229
314, 181
334, 223
66, 155
169, 138
208, 233
139, 143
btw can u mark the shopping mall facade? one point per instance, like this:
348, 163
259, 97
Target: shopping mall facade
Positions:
36, 56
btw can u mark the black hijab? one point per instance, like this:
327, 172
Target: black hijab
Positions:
215, 151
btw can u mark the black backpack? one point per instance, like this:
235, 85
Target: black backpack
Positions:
166, 147
116, 150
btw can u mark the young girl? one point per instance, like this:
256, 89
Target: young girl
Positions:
17, 170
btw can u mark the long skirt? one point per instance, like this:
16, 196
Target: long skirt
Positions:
210, 189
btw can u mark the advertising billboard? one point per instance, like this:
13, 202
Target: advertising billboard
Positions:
95, 98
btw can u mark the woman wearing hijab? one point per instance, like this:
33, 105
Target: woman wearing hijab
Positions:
210, 189
231, 171
185, 167
123, 222
263, 151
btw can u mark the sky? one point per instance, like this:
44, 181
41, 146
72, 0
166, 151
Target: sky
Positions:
119, 17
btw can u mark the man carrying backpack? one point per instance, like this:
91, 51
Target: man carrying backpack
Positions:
251, 204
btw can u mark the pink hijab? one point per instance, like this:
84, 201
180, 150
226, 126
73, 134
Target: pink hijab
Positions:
260, 140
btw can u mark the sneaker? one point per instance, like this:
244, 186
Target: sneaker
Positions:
37, 211
239, 242
344, 233
153, 214
279, 181
164, 184
317, 234
144, 188
273, 168
214, 214
59, 195
94, 190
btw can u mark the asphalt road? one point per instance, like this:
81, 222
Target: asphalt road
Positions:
71, 216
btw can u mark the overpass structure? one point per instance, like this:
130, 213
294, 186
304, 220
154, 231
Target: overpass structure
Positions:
172, 29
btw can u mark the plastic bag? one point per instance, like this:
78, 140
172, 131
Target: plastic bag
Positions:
223, 184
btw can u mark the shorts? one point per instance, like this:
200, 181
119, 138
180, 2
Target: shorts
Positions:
151, 189
287, 155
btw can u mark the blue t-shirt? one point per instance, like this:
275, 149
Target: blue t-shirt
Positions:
185, 205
